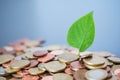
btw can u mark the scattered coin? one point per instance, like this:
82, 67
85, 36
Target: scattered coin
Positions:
114, 67
114, 59
67, 57
20, 64
94, 60
55, 66
31, 77
33, 63
6, 58
57, 52
68, 71
86, 54
53, 47
62, 76
41, 66
46, 58
97, 74
35, 71
40, 53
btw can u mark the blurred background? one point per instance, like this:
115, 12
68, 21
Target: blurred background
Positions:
51, 19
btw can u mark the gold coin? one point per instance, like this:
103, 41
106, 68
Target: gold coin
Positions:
95, 67
19, 64
29, 55
5, 58
2, 78
35, 71
67, 57
55, 66
94, 60
114, 59
62, 76
41, 66
11, 70
108, 62
97, 74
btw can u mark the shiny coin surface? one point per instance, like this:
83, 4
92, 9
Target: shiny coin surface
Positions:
6, 58
62, 76
95, 67
68, 57
102, 54
31, 77
114, 59
86, 54
94, 60
33, 63
35, 71
97, 74
57, 52
20, 64
2, 78
46, 58
55, 66
29, 55
68, 71
80, 74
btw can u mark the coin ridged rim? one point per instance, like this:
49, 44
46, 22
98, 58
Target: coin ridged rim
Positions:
102, 78
113, 60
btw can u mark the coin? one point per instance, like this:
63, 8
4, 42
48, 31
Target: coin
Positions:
67, 57
33, 63
86, 54
62, 76
31, 77
20, 64
76, 65
29, 55
40, 53
2, 78
11, 70
95, 67
97, 74
46, 58
22, 72
57, 52
94, 60
102, 54
35, 71
55, 66
16, 75
80, 74
47, 78
6, 58
114, 59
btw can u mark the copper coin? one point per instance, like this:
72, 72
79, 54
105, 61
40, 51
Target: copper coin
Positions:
76, 65
46, 58
14, 79
33, 63
109, 75
80, 74
40, 53
47, 78
31, 77
68, 71
117, 71
23, 72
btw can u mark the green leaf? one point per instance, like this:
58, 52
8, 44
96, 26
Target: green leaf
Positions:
81, 33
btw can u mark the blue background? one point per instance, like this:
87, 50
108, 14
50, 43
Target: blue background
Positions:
51, 19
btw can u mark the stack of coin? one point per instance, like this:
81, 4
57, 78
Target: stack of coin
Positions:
27, 60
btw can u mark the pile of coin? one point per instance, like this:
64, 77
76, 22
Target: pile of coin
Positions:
27, 60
